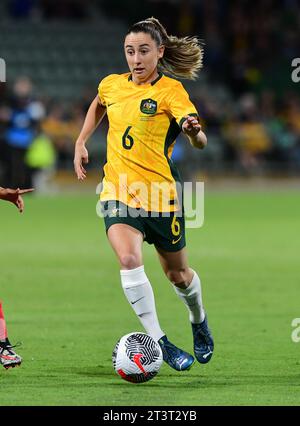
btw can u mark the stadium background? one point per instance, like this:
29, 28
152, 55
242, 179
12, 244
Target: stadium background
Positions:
58, 275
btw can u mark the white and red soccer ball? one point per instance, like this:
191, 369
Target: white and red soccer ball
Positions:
137, 357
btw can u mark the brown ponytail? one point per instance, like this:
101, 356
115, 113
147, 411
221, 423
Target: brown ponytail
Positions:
182, 57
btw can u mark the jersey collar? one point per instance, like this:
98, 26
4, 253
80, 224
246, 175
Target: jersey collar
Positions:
160, 75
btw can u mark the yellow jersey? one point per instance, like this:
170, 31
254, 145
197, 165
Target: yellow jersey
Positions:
144, 122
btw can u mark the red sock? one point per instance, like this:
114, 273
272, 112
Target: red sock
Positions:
3, 330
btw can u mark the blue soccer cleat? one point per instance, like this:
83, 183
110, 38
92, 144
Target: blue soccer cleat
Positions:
203, 342
175, 357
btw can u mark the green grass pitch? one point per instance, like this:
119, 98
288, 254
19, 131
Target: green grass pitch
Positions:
63, 299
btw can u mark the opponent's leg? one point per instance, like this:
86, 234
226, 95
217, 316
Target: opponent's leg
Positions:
3, 329
8, 357
187, 285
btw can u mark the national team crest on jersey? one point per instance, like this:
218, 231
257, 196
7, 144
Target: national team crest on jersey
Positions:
148, 106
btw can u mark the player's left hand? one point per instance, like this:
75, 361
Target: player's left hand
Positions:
191, 126
15, 196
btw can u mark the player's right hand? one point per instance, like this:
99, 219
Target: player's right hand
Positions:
81, 157
15, 196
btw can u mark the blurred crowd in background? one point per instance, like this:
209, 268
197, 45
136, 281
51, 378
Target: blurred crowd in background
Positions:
248, 104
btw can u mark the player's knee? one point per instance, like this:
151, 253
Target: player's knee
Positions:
177, 276
129, 261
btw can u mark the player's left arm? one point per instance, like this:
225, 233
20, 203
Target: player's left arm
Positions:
14, 196
185, 113
192, 129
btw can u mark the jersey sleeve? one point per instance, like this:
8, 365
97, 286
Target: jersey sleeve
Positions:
105, 87
180, 104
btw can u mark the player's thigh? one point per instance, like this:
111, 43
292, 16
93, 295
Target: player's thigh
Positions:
175, 265
126, 242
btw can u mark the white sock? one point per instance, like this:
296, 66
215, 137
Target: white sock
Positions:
192, 298
139, 293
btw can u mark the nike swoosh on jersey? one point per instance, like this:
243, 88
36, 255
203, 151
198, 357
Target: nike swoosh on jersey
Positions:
176, 241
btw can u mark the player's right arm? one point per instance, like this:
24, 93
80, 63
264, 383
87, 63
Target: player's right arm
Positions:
93, 118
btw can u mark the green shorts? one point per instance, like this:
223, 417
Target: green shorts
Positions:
166, 232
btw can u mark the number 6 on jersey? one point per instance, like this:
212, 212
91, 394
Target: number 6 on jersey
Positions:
125, 137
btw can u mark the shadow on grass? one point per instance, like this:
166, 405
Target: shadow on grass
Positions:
191, 380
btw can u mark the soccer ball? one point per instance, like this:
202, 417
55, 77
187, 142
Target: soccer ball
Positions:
137, 357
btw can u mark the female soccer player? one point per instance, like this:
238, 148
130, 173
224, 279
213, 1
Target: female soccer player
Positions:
141, 201
8, 357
